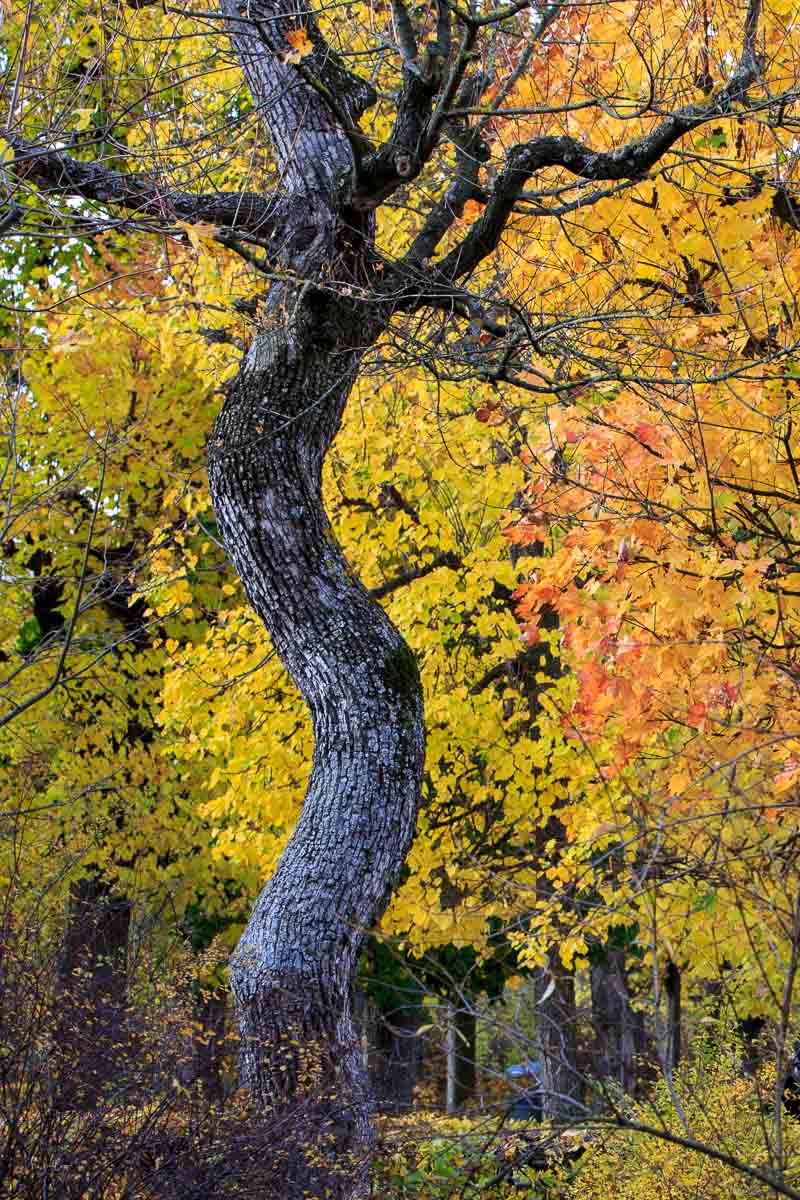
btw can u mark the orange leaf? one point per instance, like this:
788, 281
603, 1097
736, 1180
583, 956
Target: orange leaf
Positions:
301, 45
472, 209
491, 414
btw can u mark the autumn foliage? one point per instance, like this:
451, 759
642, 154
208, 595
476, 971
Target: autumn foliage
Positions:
576, 494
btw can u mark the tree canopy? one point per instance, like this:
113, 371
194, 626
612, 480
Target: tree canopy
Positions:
534, 269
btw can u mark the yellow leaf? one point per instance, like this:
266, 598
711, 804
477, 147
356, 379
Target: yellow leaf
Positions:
84, 118
198, 234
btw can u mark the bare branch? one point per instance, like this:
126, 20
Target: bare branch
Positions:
631, 161
405, 32
471, 152
444, 559
403, 154
56, 173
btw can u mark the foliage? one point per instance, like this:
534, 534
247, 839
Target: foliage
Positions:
667, 514
660, 315
575, 492
106, 447
432, 1158
711, 1103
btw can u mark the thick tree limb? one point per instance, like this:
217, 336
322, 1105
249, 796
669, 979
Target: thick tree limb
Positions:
55, 172
403, 154
311, 137
10, 216
444, 559
471, 151
631, 161
428, 91
309, 107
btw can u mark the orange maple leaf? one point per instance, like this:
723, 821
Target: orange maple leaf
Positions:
472, 209
301, 45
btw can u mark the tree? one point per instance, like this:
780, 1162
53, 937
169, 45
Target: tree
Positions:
104, 430
443, 143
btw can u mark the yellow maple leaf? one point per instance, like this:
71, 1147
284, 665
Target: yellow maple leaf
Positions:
198, 233
301, 45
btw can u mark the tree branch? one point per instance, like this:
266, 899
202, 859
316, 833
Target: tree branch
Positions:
56, 173
471, 151
430, 84
445, 559
404, 153
631, 161
309, 108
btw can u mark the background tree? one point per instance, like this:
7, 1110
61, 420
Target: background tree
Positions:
83, 655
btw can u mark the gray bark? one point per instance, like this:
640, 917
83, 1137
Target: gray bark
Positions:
556, 1025
451, 1050
619, 1030
293, 970
292, 973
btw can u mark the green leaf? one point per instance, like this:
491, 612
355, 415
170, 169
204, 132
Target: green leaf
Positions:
29, 636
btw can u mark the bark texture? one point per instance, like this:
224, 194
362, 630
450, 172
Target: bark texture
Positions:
556, 1021
93, 987
293, 970
619, 1029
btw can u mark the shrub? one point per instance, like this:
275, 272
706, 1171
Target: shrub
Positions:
427, 1157
723, 1109
132, 1131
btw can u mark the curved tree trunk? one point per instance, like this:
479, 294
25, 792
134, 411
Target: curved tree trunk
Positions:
293, 970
